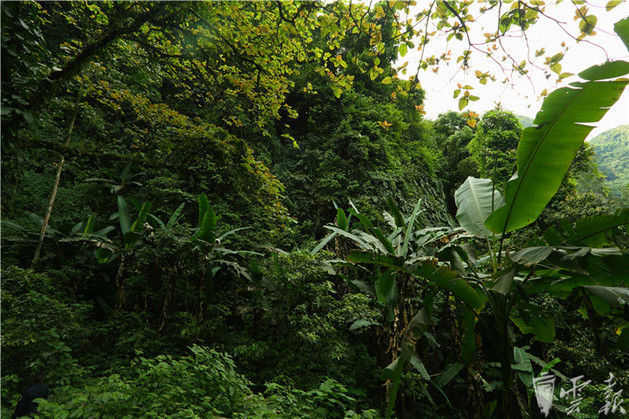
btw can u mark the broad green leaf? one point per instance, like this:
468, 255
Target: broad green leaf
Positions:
387, 261
503, 284
102, 254
614, 296
323, 243
204, 206
341, 219
367, 224
207, 229
350, 236
393, 372
230, 232
139, 222
531, 255
384, 240
419, 366
395, 212
155, 222
608, 70
475, 200
415, 329
545, 152
542, 327
421, 320
448, 280
89, 227
409, 228
449, 373
594, 230
175, 216
622, 29
123, 215
523, 366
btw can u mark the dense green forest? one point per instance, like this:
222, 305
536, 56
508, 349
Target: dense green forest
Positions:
239, 209
612, 157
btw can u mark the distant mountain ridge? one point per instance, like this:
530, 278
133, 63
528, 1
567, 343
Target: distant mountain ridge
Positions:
525, 121
612, 155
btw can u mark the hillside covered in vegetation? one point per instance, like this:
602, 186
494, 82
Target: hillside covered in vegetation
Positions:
612, 157
239, 209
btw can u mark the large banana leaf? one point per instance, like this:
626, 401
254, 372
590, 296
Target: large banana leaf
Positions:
546, 151
594, 230
476, 199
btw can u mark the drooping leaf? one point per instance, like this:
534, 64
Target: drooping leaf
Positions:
545, 152
388, 261
449, 373
531, 255
448, 280
323, 243
614, 296
419, 366
421, 320
503, 284
475, 200
230, 232
358, 239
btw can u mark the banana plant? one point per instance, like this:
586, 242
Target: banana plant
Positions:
208, 241
544, 155
214, 254
398, 258
125, 180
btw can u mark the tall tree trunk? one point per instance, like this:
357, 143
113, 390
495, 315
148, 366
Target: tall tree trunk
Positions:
55, 187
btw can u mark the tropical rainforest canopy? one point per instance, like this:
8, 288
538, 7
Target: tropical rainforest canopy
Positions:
239, 209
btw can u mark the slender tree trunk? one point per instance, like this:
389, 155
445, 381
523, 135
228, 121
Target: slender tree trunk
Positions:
55, 188
120, 285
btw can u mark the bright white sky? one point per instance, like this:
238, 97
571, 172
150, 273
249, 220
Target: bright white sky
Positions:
521, 97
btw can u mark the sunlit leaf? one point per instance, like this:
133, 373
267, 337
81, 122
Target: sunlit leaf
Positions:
546, 151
